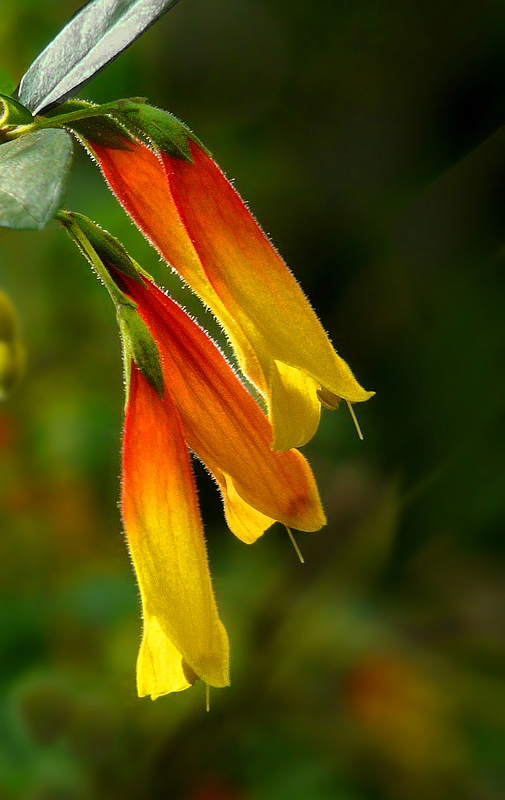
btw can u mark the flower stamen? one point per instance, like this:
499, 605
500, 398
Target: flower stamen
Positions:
295, 545
355, 420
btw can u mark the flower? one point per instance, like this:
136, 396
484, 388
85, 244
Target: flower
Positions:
224, 426
194, 217
206, 408
183, 638
183, 394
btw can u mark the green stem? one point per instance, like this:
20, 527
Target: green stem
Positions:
61, 120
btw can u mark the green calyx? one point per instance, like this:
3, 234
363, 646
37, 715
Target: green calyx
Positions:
106, 254
116, 124
159, 130
96, 123
108, 249
140, 346
113, 125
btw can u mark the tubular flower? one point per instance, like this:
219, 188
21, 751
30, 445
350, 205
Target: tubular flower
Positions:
224, 426
183, 394
206, 408
194, 217
183, 637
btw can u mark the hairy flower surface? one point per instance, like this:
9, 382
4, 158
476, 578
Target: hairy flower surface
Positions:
225, 427
183, 637
199, 224
183, 395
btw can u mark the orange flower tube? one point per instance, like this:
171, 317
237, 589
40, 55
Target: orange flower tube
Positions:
183, 637
201, 227
224, 426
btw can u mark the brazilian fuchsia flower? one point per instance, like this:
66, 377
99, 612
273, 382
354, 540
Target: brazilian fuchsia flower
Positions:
205, 408
201, 227
183, 637
182, 393
225, 427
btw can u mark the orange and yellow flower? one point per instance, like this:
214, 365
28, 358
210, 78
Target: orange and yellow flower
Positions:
183, 395
206, 408
201, 227
183, 638
224, 426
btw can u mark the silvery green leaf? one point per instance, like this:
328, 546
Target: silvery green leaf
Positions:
33, 175
98, 33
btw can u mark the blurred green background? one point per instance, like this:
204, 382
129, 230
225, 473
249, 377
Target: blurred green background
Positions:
365, 137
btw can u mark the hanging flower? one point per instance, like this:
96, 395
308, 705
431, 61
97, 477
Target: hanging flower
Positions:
184, 205
183, 638
183, 394
225, 427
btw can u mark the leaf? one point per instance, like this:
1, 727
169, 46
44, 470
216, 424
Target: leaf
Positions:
33, 175
96, 35
13, 113
7, 85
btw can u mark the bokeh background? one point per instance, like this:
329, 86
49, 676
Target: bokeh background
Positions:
366, 138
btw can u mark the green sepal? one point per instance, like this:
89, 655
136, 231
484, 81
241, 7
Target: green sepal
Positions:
13, 113
7, 85
97, 124
116, 124
104, 251
104, 131
12, 352
140, 346
161, 130
107, 247
70, 106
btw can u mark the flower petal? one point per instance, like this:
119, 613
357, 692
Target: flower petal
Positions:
200, 225
183, 636
225, 427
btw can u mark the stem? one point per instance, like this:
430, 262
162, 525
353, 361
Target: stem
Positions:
61, 120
